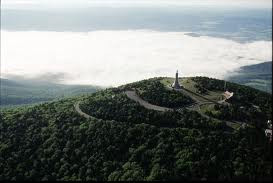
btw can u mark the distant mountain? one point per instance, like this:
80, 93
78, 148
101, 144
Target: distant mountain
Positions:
265, 67
258, 76
18, 92
113, 135
7, 82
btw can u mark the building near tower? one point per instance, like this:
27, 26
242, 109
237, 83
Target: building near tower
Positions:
268, 132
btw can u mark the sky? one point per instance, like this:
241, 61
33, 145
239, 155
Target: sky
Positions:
67, 3
121, 45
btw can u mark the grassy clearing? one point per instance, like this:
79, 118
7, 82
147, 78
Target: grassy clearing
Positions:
208, 107
214, 95
167, 81
189, 84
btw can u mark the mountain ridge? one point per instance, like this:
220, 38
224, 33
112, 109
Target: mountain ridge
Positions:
258, 76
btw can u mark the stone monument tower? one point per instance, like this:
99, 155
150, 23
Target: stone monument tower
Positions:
176, 84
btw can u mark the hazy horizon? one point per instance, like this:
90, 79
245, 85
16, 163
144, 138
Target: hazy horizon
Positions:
103, 44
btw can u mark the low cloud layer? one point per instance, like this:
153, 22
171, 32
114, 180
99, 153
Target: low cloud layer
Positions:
118, 57
47, 77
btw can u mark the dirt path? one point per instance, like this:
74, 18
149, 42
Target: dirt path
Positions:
132, 95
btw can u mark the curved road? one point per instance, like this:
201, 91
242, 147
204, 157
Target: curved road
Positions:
132, 95
77, 108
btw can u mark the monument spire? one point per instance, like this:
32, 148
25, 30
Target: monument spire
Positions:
176, 84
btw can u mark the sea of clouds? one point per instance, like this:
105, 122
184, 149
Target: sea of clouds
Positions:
112, 58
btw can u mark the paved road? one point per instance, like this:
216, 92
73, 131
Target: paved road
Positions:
77, 108
132, 95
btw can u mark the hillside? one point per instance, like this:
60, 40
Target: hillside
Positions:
109, 135
258, 76
18, 92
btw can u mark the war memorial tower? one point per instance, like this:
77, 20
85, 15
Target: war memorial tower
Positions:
176, 84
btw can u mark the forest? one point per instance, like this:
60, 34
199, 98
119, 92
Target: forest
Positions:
51, 141
153, 91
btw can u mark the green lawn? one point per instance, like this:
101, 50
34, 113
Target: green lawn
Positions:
189, 84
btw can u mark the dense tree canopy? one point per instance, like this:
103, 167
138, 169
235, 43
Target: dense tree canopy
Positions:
153, 91
51, 141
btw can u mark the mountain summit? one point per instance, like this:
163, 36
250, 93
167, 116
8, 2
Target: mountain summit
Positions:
144, 130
